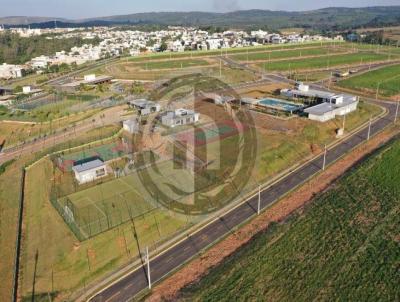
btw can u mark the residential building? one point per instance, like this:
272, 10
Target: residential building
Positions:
145, 107
180, 117
8, 71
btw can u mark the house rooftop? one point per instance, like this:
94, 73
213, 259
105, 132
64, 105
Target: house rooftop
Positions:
97, 80
90, 165
142, 103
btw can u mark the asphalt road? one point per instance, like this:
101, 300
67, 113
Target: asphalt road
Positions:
135, 282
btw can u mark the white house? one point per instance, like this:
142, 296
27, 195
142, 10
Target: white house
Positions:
145, 107
40, 62
179, 117
8, 71
90, 171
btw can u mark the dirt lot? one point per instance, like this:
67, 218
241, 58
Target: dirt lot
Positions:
262, 91
169, 288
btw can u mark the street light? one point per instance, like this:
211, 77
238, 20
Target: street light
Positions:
148, 266
324, 162
377, 90
369, 130
259, 200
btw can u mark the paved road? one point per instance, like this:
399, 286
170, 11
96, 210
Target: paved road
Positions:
136, 281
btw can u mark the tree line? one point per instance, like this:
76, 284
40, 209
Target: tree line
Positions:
18, 50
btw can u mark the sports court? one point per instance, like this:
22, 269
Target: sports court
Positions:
104, 206
106, 152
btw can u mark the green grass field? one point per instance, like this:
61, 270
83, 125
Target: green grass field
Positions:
298, 53
191, 54
387, 78
324, 62
111, 203
343, 247
173, 64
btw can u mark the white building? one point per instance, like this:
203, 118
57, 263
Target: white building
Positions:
90, 171
305, 93
329, 105
40, 62
327, 111
180, 117
10, 71
145, 107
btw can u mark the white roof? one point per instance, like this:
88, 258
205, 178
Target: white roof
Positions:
320, 109
90, 165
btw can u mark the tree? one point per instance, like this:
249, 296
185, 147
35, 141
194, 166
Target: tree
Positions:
137, 88
163, 47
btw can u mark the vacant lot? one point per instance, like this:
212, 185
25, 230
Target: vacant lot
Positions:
16, 133
173, 64
205, 53
282, 54
345, 246
387, 79
324, 62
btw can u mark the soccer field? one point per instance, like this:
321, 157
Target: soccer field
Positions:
106, 205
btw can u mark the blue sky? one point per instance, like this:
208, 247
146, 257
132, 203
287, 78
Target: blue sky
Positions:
93, 8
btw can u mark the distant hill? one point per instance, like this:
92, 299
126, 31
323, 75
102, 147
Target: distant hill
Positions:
23, 20
327, 18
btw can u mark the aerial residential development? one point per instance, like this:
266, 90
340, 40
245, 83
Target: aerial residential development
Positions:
214, 151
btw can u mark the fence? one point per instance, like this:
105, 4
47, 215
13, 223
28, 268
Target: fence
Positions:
18, 239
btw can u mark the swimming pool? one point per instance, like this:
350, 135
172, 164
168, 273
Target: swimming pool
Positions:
280, 105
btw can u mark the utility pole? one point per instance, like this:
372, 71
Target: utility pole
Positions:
344, 122
220, 68
369, 130
397, 111
377, 91
324, 163
259, 200
148, 266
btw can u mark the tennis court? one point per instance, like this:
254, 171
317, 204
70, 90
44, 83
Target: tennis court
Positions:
106, 152
106, 205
